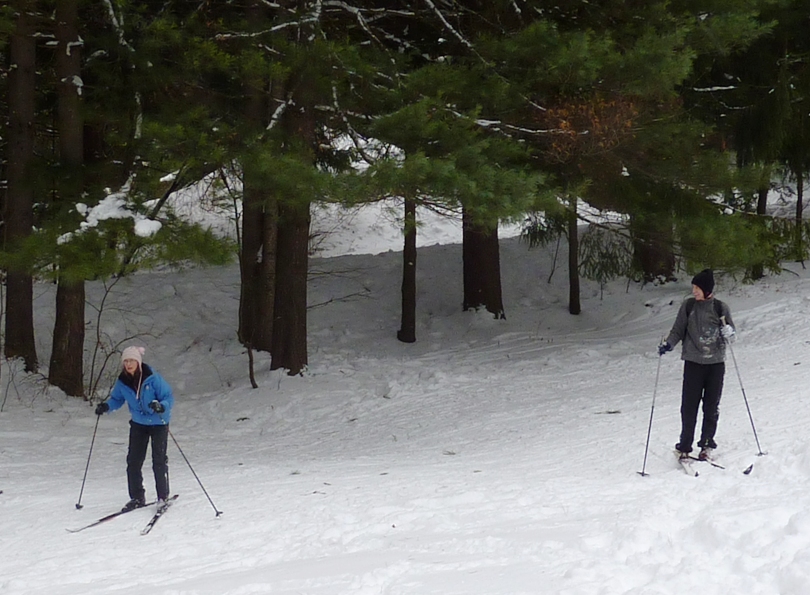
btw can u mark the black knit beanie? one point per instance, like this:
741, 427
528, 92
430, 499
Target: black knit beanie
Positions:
705, 280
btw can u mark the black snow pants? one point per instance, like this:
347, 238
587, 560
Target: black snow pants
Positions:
701, 382
139, 436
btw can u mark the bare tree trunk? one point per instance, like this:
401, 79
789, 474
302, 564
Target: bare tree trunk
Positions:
799, 215
257, 259
652, 247
758, 270
290, 324
481, 267
300, 128
67, 355
407, 331
574, 306
67, 361
257, 256
18, 216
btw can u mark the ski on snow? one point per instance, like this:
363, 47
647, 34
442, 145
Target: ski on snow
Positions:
109, 517
159, 513
712, 463
686, 465
746, 471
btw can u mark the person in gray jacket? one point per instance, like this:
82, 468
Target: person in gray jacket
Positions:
704, 326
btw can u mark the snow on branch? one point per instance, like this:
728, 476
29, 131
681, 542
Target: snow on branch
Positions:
447, 24
712, 89
279, 112
358, 142
503, 127
118, 25
357, 13
275, 29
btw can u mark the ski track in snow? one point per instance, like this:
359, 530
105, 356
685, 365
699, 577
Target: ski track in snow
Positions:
491, 457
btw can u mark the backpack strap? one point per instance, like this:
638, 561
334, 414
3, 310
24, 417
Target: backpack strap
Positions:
718, 307
690, 305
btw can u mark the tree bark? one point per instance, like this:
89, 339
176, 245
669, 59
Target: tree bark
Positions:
481, 267
289, 349
574, 305
66, 368
67, 355
652, 247
18, 215
257, 256
407, 331
758, 269
257, 260
799, 215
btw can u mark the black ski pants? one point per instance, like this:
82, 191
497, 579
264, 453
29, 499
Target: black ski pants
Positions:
701, 382
139, 436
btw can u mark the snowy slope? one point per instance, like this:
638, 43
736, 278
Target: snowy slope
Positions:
489, 458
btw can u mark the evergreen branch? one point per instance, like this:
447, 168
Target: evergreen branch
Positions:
496, 124
118, 25
275, 29
404, 43
171, 190
374, 11
448, 26
356, 139
270, 4
279, 111
358, 15
133, 248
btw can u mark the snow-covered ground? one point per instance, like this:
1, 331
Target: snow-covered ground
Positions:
489, 458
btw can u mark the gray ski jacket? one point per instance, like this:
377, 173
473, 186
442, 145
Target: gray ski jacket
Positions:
697, 326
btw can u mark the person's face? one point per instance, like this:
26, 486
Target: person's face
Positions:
698, 293
131, 365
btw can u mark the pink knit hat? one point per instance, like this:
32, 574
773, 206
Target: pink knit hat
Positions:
133, 352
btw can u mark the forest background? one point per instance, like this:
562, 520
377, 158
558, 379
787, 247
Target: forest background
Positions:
670, 121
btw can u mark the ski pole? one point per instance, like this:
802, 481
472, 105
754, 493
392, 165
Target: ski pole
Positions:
79, 503
652, 410
742, 388
185, 458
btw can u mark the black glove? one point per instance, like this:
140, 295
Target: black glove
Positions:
102, 408
664, 347
157, 407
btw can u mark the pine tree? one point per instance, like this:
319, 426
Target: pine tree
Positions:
756, 96
18, 209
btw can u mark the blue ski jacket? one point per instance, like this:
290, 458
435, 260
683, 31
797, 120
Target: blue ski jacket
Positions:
152, 388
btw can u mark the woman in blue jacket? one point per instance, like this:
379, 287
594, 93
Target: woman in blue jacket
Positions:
149, 398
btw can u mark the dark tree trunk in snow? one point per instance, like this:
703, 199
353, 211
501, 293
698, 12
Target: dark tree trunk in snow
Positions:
652, 247
758, 270
289, 344
574, 306
18, 216
257, 256
67, 359
67, 355
799, 215
407, 331
481, 267
257, 261
290, 323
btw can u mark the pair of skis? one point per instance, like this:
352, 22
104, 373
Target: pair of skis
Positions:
155, 518
687, 464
